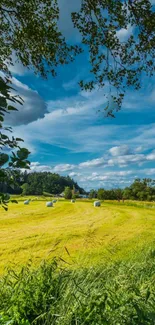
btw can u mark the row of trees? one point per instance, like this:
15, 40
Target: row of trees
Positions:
51, 183
142, 190
38, 184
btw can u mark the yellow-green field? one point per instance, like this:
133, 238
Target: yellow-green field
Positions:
89, 235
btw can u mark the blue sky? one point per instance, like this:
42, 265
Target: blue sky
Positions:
66, 134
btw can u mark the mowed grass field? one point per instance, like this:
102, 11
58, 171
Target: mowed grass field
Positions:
78, 233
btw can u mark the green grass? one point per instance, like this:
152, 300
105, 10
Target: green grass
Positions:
78, 233
118, 294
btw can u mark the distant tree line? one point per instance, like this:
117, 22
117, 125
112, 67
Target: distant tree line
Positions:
142, 190
50, 183
38, 184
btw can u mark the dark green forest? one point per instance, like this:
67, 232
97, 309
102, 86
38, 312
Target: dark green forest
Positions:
38, 184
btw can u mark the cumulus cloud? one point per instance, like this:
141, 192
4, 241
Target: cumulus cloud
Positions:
37, 167
124, 161
118, 160
124, 33
33, 108
63, 168
73, 174
92, 163
60, 168
120, 151
107, 176
151, 156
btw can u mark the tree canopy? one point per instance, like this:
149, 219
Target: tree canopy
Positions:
29, 29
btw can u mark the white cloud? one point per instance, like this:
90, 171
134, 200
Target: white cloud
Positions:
34, 164
123, 34
140, 149
124, 161
63, 168
120, 151
73, 174
60, 168
151, 156
92, 163
107, 176
37, 167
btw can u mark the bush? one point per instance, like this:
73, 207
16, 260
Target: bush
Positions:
68, 193
120, 294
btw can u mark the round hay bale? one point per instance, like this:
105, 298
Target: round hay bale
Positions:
54, 201
49, 204
73, 201
26, 202
97, 204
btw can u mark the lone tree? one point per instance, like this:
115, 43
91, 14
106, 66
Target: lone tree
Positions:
68, 193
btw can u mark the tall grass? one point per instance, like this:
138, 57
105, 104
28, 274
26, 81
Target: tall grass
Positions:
120, 294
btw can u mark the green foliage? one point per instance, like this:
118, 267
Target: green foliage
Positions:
101, 194
25, 188
9, 160
123, 293
92, 194
68, 193
75, 196
30, 30
115, 63
140, 190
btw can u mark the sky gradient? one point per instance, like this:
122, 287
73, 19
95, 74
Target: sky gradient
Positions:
67, 133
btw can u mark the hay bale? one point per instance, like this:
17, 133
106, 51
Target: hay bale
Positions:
73, 201
54, 201
49, 204
26, 202
97, 204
